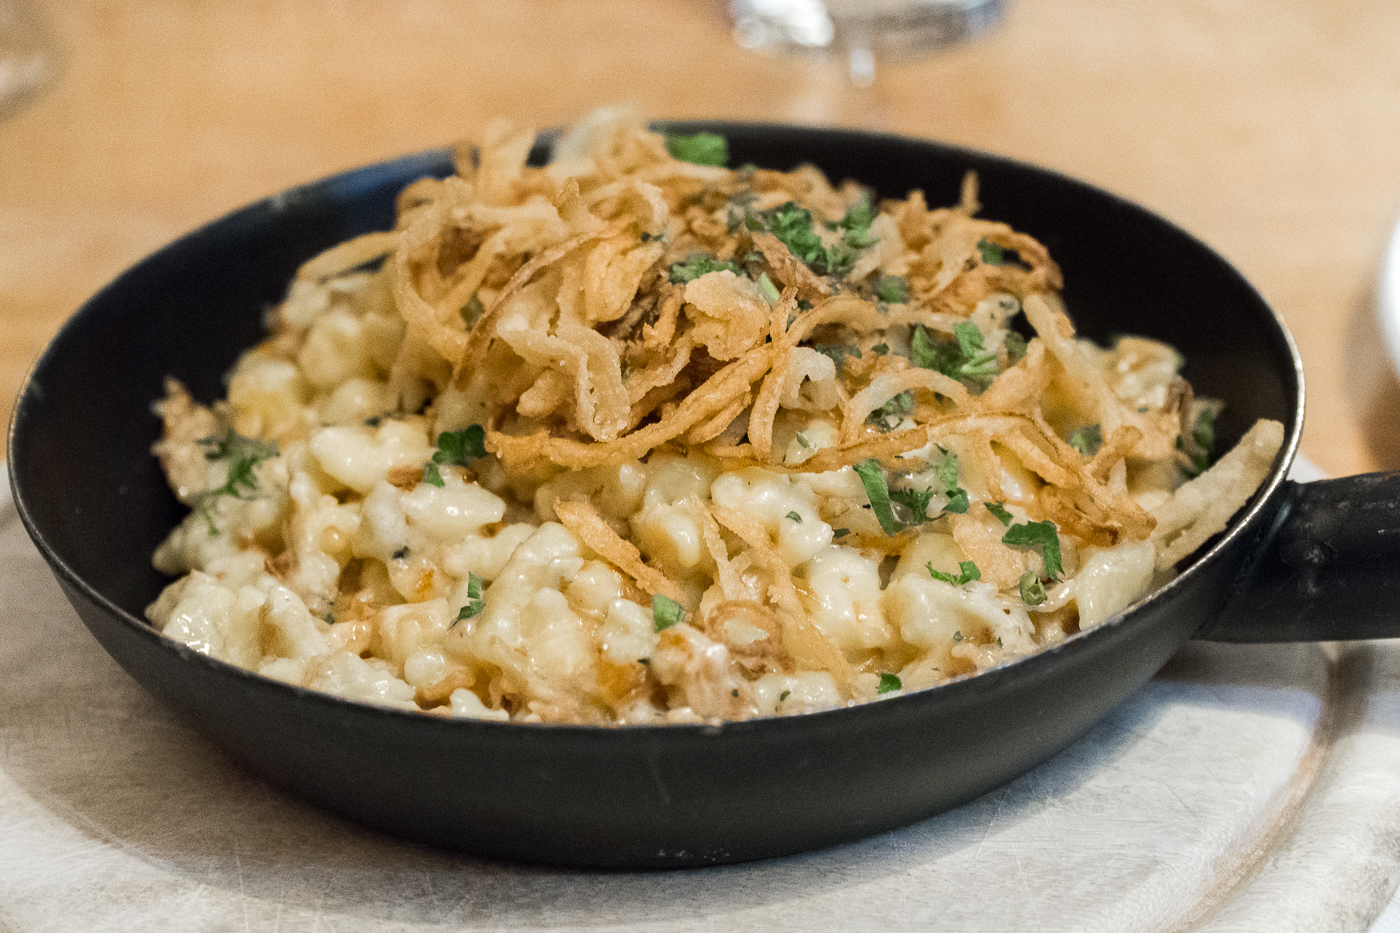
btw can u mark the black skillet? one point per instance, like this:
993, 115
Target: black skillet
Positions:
1299, 563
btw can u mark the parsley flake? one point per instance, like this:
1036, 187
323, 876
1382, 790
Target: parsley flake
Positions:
968, 573
460, 446
877, 490
837, 352
665, 612
795, 517
889, 683
475, 604
1087, 440
432, 475
243, 454
1032, 590
699, 148
891, 414
965, 358
992, 254
892, 290
1040, 536
1000, 511
784, 695
696, 265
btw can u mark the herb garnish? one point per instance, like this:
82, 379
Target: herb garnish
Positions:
1040, 536
965, 358
243, 455
475, 604
891, 414
999, 510
947, 473
969, 573
837, 352
992, 254
696, 265
795, 517
792, 225
1032, 590
1087, 440
665, 612
699, 149
889, 683
1202, 438
877, 490
892, 289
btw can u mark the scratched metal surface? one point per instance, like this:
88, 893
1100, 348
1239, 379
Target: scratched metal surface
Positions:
1247, 788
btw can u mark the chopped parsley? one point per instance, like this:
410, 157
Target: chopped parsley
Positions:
1087, 440
840, 532
889, 415
795, 517
877, 490
837, 352
460, 446
964, 358
992, 254
400, 554
696, 265
792, 225
699, 148
802, 439
968, 573
475, 604
1040, 536
1015, 345
999, 510
957, 636
1202, 438
243, 454
892, 289
784, 695
947, 473
880, 349
455, 447
1032, 590
915, 500
889, 683
665, 612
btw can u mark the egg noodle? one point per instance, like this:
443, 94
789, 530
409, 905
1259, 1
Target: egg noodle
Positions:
634, 437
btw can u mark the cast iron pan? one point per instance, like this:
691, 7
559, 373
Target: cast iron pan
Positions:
1312, 562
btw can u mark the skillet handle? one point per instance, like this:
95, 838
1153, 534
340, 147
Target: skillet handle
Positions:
1328, 569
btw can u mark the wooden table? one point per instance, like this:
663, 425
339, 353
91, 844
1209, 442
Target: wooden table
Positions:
1270, 129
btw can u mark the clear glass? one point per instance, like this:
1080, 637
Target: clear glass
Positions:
861, 31
28, 61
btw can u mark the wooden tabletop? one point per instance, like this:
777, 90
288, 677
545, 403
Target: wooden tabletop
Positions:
1269, 128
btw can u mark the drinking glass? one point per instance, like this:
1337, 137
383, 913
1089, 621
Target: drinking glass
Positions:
28, 61
861, 31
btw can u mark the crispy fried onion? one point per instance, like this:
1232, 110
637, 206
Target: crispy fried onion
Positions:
620, 302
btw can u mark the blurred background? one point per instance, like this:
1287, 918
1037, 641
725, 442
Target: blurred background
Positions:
1268, 128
